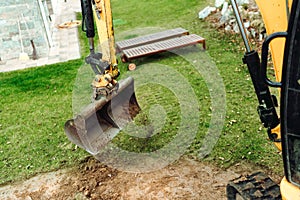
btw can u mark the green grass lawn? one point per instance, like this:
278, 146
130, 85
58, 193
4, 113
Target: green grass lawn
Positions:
34, 106
35, 103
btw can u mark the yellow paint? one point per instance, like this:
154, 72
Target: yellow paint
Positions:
105, 30
275, 18
276, 131
288, 190
290, 4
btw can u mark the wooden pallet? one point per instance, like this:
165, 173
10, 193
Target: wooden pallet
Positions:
161, 46
151, 38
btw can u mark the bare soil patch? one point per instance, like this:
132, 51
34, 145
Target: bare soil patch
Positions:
184, 179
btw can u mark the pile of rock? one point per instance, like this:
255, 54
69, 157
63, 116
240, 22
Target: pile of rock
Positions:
222, 16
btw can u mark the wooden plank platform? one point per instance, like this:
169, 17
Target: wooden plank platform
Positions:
151, 38
162, 46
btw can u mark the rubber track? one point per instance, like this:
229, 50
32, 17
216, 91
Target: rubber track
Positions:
256, 186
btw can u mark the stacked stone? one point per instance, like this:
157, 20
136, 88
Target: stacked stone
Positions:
223, 14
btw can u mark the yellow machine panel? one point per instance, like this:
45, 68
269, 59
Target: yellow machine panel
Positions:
275, 17
290, 191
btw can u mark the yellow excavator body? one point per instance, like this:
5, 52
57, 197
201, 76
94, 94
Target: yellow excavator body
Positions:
281, 20
288, 190
275, 14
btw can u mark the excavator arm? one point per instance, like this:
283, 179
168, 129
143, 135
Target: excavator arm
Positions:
114, 103
104, 64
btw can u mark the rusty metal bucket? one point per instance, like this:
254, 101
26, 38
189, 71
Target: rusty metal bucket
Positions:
102, 120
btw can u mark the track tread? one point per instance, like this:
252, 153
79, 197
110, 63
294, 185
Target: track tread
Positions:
256, 186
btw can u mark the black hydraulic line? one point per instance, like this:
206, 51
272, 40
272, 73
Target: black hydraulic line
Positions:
266, 108
89, 28
87, 18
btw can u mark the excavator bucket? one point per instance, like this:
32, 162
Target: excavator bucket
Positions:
102, 120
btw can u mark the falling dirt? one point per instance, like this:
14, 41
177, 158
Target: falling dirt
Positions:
184, 179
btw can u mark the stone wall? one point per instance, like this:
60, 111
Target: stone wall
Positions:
28, 14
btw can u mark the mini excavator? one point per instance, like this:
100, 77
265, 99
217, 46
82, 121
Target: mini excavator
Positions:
115, 104
282, 22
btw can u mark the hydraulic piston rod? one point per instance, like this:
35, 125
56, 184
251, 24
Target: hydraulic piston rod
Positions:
241, 25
